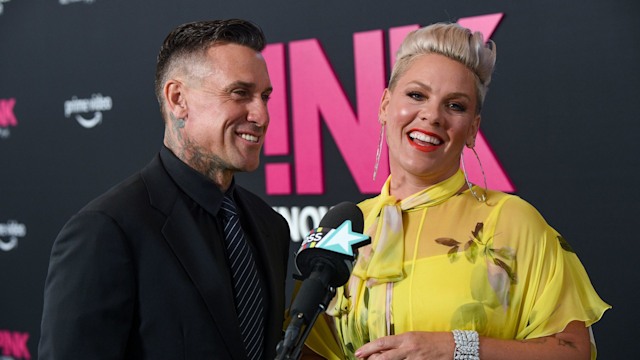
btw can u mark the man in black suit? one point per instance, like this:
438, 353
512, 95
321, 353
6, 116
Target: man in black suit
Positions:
143, 271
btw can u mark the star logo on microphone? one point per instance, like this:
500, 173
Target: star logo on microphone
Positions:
343, 240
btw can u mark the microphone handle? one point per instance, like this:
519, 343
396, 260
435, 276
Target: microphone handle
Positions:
297, 351
312, 299
313, 289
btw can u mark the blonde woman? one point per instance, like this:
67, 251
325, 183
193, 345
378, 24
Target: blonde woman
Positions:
454, 271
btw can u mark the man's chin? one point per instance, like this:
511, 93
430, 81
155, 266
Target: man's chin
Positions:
248, 166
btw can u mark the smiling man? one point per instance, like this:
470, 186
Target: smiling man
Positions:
178, 261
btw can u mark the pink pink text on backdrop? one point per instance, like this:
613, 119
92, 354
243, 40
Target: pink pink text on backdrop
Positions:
14, 345
7, 117
316, 94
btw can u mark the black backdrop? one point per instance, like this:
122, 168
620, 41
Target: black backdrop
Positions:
561, 117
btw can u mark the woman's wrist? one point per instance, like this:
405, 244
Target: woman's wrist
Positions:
467, 345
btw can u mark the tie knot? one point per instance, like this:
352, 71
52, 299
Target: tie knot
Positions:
228, 206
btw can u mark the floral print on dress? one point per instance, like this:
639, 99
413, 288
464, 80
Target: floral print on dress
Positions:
564, 244
494, 268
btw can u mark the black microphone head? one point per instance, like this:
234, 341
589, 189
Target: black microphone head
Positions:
342, 212
317, 248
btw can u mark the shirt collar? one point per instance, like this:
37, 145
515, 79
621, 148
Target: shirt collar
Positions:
197, 186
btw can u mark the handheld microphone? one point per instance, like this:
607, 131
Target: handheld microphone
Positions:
325, 261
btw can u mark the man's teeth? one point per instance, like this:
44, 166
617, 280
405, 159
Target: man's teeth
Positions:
249, 137
424, 137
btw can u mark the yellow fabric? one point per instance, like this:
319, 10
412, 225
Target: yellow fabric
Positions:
385, 263
495, 267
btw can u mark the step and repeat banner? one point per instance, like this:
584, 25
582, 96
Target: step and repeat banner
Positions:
560, 123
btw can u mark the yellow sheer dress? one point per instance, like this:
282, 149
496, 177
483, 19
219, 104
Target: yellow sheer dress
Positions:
495, 267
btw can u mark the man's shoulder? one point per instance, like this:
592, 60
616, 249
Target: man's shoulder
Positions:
123, 194
133, 191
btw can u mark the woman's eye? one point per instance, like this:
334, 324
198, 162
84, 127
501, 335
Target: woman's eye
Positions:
415, 95
456, 107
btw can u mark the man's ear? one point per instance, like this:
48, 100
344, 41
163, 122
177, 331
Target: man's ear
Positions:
175, 100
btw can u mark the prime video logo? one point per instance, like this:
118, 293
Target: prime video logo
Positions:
90, 108
9, 234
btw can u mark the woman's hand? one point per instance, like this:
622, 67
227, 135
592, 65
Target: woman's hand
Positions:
410, 345
571, 343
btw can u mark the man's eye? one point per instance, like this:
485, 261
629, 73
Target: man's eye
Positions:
240, 93
266, 97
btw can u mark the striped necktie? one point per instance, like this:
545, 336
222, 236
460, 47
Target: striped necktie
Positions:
248, 293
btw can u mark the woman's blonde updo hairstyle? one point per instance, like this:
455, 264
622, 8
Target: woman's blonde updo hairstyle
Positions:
455, 42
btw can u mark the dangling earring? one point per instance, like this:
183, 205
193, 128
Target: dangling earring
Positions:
482, 197
378, 152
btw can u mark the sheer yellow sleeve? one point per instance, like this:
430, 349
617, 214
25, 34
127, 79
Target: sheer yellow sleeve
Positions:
559, 288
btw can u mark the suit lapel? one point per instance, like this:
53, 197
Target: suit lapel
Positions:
202, 259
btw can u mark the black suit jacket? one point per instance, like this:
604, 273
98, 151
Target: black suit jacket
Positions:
132, 277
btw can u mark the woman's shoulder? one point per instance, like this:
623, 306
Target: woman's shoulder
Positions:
513, 207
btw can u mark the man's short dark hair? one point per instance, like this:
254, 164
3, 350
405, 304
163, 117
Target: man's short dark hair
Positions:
198, 36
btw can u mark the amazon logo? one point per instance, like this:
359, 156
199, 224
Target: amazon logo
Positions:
88, 112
